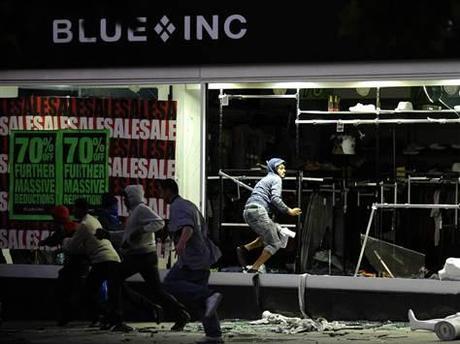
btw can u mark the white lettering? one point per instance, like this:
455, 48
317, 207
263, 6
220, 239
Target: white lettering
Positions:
81, 33
3, 238
105, 36
3, 201
213, 31
187, 28
61, 31
132, 37
228, 23
139, 168
3, 163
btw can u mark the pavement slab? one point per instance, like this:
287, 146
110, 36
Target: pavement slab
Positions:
235, 331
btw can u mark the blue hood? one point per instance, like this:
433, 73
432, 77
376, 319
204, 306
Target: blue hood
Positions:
273, 163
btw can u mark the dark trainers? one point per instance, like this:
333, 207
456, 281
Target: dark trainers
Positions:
210, 340
241, 254
212, 302
182, 320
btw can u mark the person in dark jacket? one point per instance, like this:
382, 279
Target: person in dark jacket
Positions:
259, 207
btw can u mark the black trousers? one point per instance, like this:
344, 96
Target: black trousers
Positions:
70, 282
100, 272
147, 266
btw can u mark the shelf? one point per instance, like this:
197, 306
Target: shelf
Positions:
382, 112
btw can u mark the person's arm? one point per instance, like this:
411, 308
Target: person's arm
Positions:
149, 222
277, 201
76, 243
185, 236
275, 196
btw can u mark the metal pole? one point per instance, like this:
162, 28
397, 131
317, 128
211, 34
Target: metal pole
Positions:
363, 247
379, 121
222, 174
297, 129
236, 224
416, 206
456, 201
262, 96
408, 189
299, 222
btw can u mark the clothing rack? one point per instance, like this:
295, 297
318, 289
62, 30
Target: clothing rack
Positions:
377, 121
376, 206
436, 180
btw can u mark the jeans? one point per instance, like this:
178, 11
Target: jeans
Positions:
191, 286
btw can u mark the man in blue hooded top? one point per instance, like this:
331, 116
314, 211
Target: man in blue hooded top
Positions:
265, 197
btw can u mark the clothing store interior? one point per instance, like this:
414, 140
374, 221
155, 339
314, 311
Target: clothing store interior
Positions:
348, 149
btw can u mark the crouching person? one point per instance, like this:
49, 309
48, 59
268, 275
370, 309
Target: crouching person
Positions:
105, 264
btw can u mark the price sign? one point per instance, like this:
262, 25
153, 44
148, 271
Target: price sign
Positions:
48, 168
85, 169
33, 183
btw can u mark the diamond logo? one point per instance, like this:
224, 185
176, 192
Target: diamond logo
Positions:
164, 28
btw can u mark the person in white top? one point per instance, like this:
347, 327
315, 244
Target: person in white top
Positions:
105, 264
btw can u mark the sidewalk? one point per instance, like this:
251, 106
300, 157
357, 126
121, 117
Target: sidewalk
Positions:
235, 331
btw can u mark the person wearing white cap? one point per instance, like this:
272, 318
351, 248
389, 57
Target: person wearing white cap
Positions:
259, 206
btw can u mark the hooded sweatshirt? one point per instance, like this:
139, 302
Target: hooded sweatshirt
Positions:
267, 192
142, 222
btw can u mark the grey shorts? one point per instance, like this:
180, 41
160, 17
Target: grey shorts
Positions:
258, 220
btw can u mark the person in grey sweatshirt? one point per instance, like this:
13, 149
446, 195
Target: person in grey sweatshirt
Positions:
264, 199
138, 251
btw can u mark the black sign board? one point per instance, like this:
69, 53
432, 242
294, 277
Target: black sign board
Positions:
51, 34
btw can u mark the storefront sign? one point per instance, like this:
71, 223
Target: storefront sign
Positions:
146, 33
48, 168
58, 148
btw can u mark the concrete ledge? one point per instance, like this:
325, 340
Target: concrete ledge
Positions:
403, 285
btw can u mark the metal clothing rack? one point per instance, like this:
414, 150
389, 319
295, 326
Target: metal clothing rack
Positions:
376, 206
428, 180
377, 121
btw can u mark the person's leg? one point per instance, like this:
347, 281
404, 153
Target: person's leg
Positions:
93, 284
259, 220
112, 275
63, 293
258, 242
151, 276
131, 265
186, 284
264, 256
211, 326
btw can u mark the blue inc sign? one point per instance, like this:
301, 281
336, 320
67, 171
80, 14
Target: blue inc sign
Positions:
194, 28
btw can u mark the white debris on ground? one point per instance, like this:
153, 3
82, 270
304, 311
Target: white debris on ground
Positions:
293, 325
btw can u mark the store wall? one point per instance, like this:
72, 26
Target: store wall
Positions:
188, 144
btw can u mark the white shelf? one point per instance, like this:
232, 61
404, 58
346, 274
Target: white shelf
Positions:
382, 112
